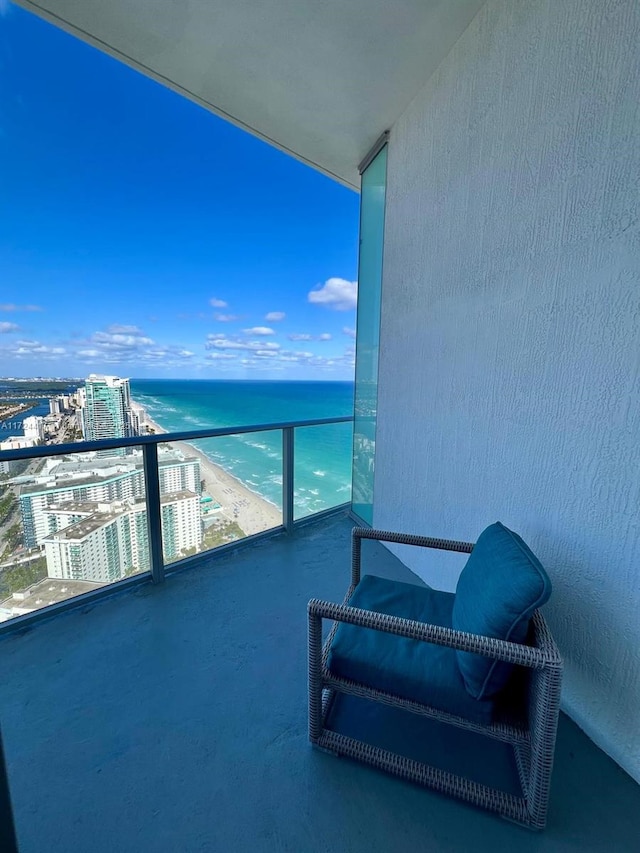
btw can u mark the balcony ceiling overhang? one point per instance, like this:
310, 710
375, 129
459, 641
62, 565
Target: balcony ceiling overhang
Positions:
320, 79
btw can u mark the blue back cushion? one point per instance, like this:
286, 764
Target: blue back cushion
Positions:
415, 670
501, 585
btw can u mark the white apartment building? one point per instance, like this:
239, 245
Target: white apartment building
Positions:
33, 428
104, 542
35, 500
99, 480
16, 442
181, 523
98, 546
178, 474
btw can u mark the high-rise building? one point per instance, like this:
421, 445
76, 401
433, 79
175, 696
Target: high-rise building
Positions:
181, 524
107, 408
179, 474
102, 480
34, 428
103, 542
35, 500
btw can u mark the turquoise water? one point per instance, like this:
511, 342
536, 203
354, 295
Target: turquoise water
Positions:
322, 454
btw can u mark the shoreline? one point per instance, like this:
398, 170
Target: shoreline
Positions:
252, 512
11, 410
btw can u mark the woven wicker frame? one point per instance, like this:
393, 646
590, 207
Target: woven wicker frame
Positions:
533, 740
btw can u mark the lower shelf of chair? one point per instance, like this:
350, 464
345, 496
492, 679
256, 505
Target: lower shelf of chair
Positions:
453, 761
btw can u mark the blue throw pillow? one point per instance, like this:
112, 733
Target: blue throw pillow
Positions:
501, 585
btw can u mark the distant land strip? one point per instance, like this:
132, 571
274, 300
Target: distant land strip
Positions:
11, 410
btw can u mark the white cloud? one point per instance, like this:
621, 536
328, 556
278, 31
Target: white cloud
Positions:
325, 336
217, 303
8, 327
219, 356
259, 330
300, 337
118, 328
275, 316
225, 318
36, 348
117, 340
214, 342
119, 344
350, 332
266, 353
336, 293
10, 306
127, 344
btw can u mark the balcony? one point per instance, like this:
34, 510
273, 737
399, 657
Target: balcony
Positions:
174, 718
127, 510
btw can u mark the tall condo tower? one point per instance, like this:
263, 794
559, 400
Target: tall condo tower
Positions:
107, 408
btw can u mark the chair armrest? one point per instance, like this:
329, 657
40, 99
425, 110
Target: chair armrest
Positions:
360, 533
501, 650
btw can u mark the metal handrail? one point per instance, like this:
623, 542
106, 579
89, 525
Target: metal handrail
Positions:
149, 444
42, 452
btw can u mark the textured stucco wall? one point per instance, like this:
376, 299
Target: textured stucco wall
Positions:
510, 340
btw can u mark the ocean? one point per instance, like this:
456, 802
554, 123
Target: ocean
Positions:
322, 454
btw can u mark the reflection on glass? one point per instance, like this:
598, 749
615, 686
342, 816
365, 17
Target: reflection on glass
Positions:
368, 333
217, 490
322, 462
69, 524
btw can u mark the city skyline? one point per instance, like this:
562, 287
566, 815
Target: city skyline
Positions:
145, 237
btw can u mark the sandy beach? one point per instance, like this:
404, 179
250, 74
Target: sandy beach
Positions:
250, 511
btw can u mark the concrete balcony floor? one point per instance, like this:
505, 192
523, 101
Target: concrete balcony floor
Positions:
173, 718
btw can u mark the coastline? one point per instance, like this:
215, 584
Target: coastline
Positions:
250, 511
11, 410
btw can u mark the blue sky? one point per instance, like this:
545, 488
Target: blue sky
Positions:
143, 236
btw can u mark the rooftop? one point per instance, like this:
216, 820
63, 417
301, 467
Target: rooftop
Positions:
67, 473
179, 724
74, 506
103, 513
68, 481
183, 495
46, 592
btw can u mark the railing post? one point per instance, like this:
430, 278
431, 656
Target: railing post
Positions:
154, 515
287, 479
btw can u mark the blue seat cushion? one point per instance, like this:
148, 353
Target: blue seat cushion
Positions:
500, 587
411, 669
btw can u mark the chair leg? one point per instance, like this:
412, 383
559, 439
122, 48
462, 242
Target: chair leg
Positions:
315, 677
544, 712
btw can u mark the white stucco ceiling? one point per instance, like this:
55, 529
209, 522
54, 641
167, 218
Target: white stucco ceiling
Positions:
321, 79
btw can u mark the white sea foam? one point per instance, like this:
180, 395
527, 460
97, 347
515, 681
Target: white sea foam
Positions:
256, 458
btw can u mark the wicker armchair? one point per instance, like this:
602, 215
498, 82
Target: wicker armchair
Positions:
523, 723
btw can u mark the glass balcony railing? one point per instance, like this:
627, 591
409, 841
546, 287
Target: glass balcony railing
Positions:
76, 519
322, 475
